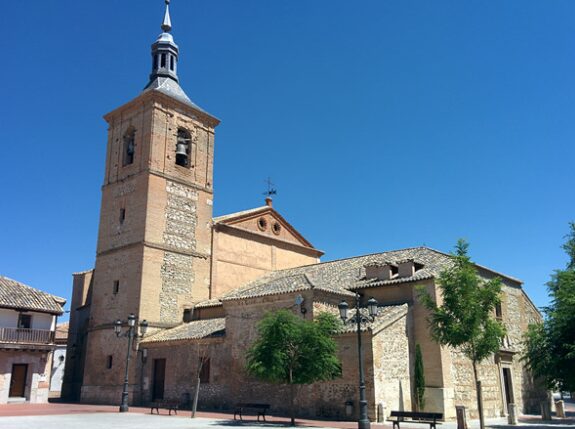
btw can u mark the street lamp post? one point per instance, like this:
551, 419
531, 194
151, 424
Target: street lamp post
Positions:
358, 318
130, 334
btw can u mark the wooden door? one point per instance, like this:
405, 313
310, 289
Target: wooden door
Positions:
18, 380
159, 377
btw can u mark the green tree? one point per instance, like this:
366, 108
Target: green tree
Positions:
292, 351
419, 380
550, 346
464, 320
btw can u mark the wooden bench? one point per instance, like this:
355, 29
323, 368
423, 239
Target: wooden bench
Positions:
260, 409
415, 417
168, 405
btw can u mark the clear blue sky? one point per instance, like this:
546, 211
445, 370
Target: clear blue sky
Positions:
384, 124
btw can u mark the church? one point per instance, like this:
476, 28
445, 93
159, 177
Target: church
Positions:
202, 283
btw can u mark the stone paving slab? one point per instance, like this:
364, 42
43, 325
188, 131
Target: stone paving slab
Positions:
125, 421
83, 416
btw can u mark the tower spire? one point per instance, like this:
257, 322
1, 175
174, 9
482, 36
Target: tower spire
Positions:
165, 55
165, 51
167, 24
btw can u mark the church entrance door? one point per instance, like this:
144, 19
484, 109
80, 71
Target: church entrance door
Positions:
159, 377
18, 380
508, 386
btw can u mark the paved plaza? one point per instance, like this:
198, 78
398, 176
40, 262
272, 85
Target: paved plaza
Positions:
80, 416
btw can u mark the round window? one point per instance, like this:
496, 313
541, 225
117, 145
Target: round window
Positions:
276, 228
262, 224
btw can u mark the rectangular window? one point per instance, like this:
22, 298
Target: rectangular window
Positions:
205, 371
122, 215
498, 312
116, 286
109, 362
24, 321
163, 61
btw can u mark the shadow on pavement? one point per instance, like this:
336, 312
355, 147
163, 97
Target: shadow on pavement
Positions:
251, 423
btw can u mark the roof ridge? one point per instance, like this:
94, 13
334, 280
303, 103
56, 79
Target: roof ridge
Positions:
353, 257
57, 298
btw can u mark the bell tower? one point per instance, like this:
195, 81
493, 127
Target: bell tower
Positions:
154, 240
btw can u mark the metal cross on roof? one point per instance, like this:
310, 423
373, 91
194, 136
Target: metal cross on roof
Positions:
271, 190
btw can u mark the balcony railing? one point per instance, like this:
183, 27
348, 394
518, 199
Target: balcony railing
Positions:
26, 336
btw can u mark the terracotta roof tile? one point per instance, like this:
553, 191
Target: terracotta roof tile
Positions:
208, 303
193, 330
342, 275
17, 295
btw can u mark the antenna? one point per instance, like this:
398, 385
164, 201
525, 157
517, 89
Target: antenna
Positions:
271, 190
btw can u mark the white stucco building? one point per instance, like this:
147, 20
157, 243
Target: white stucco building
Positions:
27, 341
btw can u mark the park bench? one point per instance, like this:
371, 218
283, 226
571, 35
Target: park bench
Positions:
260, 409
167, 405
415, 417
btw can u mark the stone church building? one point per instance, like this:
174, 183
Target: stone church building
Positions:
203, 283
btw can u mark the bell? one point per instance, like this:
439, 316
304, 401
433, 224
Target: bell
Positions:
182, 149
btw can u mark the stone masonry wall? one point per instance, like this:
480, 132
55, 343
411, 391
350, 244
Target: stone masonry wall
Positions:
181, 373
392, 366
181, 217
517, 313
177, 270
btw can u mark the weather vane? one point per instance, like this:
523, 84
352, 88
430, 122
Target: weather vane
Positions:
271, 190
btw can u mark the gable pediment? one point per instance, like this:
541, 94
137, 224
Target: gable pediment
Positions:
264, 221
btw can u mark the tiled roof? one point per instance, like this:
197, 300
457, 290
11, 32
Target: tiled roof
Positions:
342, 275
208, 303
386, 315
17, 295
62, 330
192, 330
273, 284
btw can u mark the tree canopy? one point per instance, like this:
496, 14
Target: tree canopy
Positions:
465, 319
290, 350
550, 346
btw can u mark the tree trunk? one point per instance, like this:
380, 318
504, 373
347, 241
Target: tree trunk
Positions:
196, 394
292, 406
479, 396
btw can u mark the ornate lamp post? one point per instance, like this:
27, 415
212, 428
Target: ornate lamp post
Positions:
130, 334
358, 318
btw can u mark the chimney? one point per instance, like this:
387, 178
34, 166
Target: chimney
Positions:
406, 268
269, 202
378, 271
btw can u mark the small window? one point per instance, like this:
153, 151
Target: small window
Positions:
183, 148
205, 371
24, 321
109, 360
163, 61
262, 224
129, 146
116, 286
155, 62
122, 215
276, 228
498, 311
171, 63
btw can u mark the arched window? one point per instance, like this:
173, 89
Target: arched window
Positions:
183, 146
129, 146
